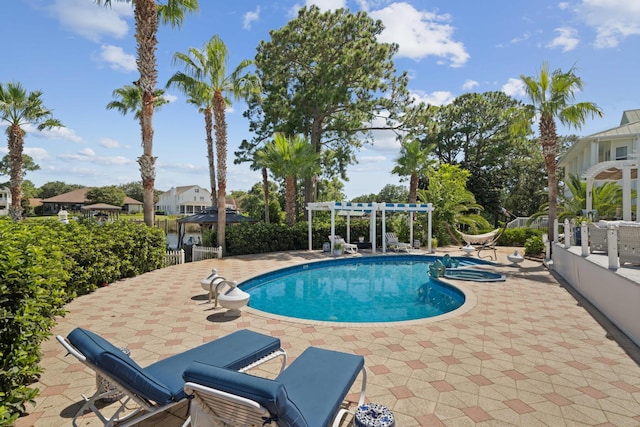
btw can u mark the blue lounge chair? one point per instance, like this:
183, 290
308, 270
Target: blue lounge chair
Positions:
309, 393
160, 385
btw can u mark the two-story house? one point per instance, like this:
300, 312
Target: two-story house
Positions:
610, 155
183, 200
5, 201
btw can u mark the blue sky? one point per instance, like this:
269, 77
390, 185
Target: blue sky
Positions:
77, 53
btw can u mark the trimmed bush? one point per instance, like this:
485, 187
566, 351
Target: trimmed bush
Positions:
45, 264
33, 274
534, 246
518, 236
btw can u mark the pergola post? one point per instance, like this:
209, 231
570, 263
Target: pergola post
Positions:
310, 216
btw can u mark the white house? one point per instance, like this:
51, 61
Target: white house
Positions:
5, 201
188, 199
610, 155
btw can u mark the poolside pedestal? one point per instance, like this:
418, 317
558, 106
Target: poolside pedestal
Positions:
468, 250
515, 258
233, 300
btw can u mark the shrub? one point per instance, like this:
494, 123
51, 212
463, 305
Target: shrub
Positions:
518, 236
43, 265
33, 274
534, 246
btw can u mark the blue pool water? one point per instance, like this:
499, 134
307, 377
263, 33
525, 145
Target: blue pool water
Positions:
364, 289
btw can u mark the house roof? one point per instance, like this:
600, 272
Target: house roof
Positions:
101, 207
629, 127
210, 216
79, 197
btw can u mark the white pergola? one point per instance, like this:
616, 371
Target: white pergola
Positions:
350, 209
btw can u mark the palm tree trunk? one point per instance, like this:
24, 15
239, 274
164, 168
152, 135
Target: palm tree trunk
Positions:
290, 196
146, 30
265, 189
16, 144
208, 125
221, 146
549, 141
413, 188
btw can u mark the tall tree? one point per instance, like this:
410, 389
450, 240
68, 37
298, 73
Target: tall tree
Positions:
206, 74
289, 158
552, 96
474, 131
28, 165
208, 83
456, 206
19, 108
53, 188
110, 195
413, 162
147, 14
327, 77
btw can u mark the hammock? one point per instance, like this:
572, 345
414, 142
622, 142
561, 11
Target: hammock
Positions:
479, 239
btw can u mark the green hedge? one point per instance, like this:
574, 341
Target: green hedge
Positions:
43, 265
518, 236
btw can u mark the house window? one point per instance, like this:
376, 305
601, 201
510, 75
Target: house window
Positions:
202, 199
197, 190
621, 153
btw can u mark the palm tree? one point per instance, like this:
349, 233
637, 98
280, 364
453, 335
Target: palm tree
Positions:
413, 161
128, 99
147, 14
19, 108
201, 95
289, 158
205, 75
552, 96
606, 198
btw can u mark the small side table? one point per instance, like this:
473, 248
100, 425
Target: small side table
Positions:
373, 415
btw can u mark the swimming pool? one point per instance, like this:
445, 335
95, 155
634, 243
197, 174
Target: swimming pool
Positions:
357, 290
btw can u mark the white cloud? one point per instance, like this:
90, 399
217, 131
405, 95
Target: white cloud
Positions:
327, 4
170, 98
420, 33
249, 17
91, 21
563, 5
439, 97
567, 39
117, 58
109, 143
469, 84
38, 154
613, 20
89, 155
53, 133
514, 87
112, 161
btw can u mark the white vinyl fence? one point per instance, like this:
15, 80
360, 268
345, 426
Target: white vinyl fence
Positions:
174, 257
198, 253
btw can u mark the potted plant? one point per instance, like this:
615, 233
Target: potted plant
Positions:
338, 248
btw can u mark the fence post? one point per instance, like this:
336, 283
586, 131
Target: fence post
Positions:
612, 246
567, 234
584, 233
219, 253
181, 256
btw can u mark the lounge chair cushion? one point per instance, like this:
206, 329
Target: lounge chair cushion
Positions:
269, 393
162, 381
318, 380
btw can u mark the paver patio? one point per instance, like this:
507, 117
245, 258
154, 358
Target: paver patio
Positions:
527, 354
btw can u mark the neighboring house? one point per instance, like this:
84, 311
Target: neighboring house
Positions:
610, 155
73, 201
5, 201
185, 200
